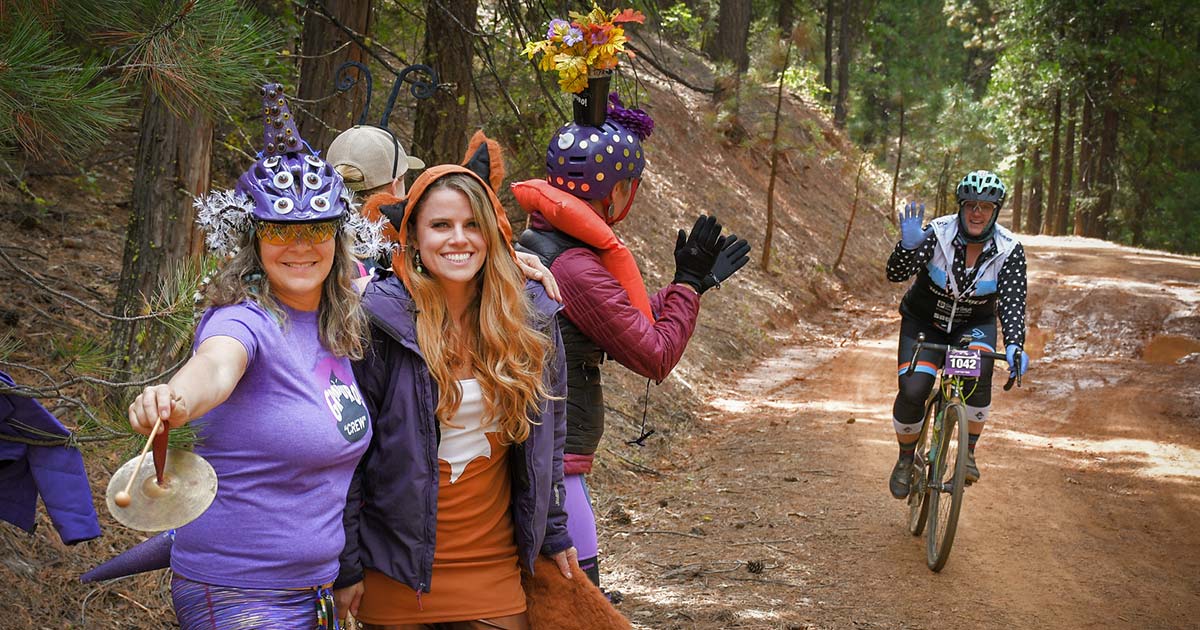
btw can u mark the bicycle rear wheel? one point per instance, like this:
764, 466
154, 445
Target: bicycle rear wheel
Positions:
918, 506
945, 496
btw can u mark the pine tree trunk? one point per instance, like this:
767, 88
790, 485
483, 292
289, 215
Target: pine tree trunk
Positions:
733, 31
830, 7
787, 17
1086, 166
440, 126
770, 232
1056, 115
943, 183
1018, 190
1144, 180
899, 158
321, 121
1033, 222
862, 161
1063, 210
171, 167
845, 34
1106, 170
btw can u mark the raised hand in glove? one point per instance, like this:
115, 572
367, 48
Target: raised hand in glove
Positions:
734, 254
696, 252
911, 219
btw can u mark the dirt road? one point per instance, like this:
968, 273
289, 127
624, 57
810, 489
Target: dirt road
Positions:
1087, 516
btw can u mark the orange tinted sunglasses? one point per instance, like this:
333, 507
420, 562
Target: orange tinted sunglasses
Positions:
273, 233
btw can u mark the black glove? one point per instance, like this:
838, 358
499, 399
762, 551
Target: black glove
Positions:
734, 254
696, 252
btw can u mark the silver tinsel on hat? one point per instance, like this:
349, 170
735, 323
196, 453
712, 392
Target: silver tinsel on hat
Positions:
225, 216
368, 235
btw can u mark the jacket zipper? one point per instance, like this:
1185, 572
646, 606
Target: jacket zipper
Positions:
950, 281
430, 505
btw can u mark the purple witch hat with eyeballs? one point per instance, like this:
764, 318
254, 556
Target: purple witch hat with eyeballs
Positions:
288, 183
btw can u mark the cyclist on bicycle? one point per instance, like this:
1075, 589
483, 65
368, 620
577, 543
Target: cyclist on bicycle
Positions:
970, 272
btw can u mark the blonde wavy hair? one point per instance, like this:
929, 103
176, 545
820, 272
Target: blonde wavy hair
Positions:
506, 353
342, 324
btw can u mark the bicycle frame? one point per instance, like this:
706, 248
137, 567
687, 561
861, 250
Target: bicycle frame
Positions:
927, 477
946, 390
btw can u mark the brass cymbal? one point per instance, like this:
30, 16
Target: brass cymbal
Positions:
189, 486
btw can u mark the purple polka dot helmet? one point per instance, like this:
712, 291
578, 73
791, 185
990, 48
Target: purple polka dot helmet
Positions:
588, 161
289, 183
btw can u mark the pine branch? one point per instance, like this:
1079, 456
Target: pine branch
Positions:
654, 63
194, 54
354, 35
63, 110
70, 440
56, 389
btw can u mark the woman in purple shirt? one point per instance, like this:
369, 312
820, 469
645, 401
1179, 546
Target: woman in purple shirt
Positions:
278, 413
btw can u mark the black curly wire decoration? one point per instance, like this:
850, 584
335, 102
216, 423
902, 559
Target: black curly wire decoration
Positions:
343, 81
421, 88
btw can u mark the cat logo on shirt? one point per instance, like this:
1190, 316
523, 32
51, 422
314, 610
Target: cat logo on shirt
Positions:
346, 403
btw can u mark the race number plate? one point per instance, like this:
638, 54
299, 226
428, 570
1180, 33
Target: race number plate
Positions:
963, 363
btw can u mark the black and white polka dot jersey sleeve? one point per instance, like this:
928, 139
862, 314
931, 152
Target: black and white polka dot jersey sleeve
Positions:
904, 263
1012, 288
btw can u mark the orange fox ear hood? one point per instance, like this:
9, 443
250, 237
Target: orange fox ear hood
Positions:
385, 206
485, 158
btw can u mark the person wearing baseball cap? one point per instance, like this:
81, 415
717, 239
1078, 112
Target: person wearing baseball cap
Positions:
371, 160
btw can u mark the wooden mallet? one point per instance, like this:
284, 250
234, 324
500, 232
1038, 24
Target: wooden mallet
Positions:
123, 499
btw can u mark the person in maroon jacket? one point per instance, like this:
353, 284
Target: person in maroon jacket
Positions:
593, 172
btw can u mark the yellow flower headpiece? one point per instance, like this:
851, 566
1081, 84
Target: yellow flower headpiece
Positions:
588, 44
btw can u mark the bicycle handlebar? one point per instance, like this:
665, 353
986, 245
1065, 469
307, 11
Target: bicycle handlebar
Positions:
944, 348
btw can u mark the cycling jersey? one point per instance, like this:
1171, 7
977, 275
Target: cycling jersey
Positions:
948, 295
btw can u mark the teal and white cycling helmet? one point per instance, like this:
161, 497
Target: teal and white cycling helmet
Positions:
980, 186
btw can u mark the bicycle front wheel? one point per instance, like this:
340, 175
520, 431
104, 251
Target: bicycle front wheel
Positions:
945, 496
918, 490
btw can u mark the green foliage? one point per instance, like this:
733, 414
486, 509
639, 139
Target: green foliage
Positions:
81, 352
201, 54
8, 345
178, 296
50, 100
70, 67
978, 79
960, 139
681, 24
1137, 59
805, 79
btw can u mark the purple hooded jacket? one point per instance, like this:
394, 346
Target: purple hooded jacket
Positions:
391, 509
55, 472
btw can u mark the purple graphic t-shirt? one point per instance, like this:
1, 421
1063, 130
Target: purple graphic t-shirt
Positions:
284, 446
